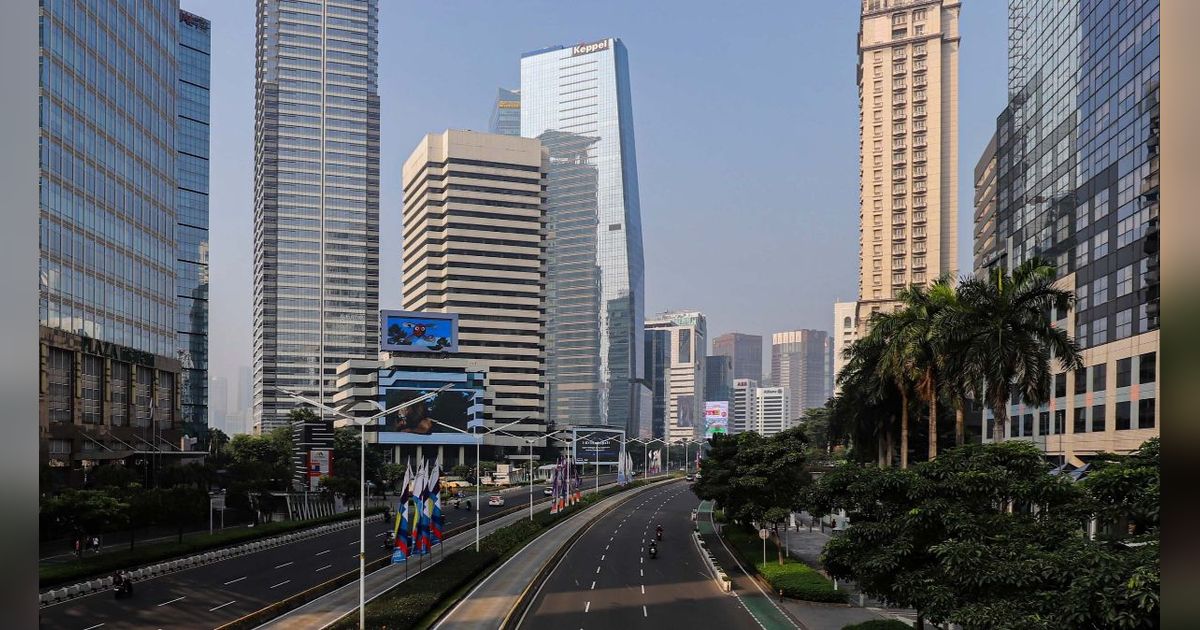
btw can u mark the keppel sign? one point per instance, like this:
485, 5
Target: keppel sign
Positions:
586, 49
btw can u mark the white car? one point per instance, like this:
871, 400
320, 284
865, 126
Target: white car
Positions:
495, 499
547, 491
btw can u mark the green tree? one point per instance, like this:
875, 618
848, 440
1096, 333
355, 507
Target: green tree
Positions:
864, 413
85, 512
1004, 338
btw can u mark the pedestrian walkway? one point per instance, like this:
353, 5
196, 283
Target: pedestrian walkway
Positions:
760, 606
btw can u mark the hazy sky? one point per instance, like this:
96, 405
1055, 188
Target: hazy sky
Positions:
746, 127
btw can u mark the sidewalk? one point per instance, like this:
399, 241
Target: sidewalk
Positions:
757, 602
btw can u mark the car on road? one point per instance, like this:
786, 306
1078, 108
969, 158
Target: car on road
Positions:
495, 499
547, 491
689, 477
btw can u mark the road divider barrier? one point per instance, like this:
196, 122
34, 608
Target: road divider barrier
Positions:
723, 580
89, 587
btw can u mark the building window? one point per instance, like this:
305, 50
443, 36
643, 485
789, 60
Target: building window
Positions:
899, 19
1014, 427
919, 29
1124, 324
1060, 385
164, 415
1097, 418
1080, 420
878, 71
918, 15
145, 381
1027, 424
685, 346
919, 155
60, 447
1060, 421
1146, 413
91, 383
1099, 377
1146, 370
897, 278
60, 372
1100, 331
1044, 423
1123, 416
1100, 246
1124, 372
1081, 301
1081, 254
1125, 280
1081, 381
877, 279
1081, 332
119, 390
1100, 291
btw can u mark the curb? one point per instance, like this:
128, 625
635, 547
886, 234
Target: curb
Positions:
62, 594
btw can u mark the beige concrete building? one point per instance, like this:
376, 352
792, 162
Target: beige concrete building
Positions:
845, 331
908, 105
475, 244
685, 364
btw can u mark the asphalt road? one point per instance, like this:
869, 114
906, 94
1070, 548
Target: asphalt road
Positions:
214, 594
607, 580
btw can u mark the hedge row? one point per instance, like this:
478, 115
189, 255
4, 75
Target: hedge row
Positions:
879, 624
417, 599
796, 579
106, 563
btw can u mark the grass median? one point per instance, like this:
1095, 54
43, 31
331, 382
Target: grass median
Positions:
419, 601
796, 579
106, 563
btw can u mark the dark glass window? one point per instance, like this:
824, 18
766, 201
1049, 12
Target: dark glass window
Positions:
1081, 381
1146, 413
685, 345
1015, 399
1124, 372
1123, 409
990, 429
1060, 385
1097, 418
1060, 421
1146, 370
1099, 374
1027, 424
1014, 427
1080, 420
1044, 423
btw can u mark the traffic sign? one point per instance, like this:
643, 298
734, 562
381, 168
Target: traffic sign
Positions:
764, 534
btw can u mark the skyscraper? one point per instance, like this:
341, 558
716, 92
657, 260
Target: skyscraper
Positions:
718, 377
908, 131
576, 100
773, 410
658, 377
845, 331
1077, 162
987, 251
743, 410
191, 218
474, 245
506, 113
316, 198
112, 199
745, 351
683, 372
800, 363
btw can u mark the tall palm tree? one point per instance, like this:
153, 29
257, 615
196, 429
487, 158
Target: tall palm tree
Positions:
1006, 339
864, 408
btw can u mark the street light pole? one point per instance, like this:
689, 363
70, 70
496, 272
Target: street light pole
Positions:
362, 471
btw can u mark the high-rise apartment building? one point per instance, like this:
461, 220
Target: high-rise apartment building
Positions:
908, 128
316, 198
658, 377
576, 100
113, 196
800, 363
506, 113
191, 217
683, 372
773, 410
743, 409
474, 245
744, 350
718, 377
986, 251
845, 331
1077, 160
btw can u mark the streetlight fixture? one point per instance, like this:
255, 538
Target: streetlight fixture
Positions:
646, 451
478, 469
362, 472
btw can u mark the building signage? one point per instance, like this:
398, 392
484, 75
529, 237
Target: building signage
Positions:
586, 49
716, 417
320, 464
406, 331
509, 104
114, 351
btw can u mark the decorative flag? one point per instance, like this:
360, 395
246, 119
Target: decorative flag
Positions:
437, 519
401, 529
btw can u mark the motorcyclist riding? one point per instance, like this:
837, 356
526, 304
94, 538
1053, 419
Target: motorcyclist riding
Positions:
658, 532
653, 550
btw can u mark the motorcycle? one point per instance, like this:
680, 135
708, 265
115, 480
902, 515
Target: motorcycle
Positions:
122, 586
653, 552
658, 534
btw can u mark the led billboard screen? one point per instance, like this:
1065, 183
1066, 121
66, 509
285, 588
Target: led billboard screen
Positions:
602, 445
407, 331
716, 417
460, 407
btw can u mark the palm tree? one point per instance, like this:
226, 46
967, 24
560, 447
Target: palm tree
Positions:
908, 358
863, 410
1004, 337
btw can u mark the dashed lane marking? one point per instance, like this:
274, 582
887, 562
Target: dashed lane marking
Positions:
281, 583
319, 553
324, 567
222, 605
593, 585
171, 601
237, 580
280, 566
587, 607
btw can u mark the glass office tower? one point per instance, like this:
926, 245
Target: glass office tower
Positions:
316, 198
191, 229
1077, 167
576, 100
112, 93
506, 113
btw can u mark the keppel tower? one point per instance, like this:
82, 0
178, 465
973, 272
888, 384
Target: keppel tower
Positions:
316, 198
576, 100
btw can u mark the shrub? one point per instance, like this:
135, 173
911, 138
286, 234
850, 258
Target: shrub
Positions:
796, 579
878, 624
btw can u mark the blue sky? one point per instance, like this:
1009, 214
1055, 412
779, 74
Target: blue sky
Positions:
746, 127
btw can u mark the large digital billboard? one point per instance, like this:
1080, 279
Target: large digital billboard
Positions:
597, 445
460, 407
408, 331
716, 417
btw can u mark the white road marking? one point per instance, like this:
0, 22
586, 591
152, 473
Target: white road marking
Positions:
593, 585
237, 580
641, 561
324, 567
587, 607
170, 602
354, 543
606, 547
324, 552
641, 572
597, 569
602, 557
100, 624
643, 589
280, 566
281, 583
222, 605
644, 613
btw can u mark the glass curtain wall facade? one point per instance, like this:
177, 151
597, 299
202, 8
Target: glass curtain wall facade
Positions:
191, 230
506, 113
1077, 168
316, 207
576, 100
